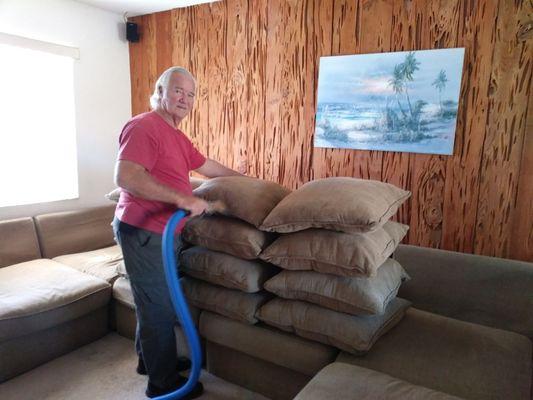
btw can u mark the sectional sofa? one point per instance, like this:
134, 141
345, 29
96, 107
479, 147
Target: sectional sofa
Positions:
468, 334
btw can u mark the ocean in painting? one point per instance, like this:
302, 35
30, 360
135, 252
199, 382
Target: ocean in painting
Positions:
405, 101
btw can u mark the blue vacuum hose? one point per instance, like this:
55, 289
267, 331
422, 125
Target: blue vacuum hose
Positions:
180, 306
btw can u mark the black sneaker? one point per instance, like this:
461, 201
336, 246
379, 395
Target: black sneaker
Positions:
154, 391
183, 365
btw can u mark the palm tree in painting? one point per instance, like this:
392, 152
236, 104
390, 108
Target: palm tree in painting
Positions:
397, 83
409, 67
403, 74
440, 84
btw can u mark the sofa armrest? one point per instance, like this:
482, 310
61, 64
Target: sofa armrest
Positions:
485, 290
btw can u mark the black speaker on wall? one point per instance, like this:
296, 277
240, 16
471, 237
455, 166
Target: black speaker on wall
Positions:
132, 33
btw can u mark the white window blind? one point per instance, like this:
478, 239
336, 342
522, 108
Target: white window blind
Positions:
38, 159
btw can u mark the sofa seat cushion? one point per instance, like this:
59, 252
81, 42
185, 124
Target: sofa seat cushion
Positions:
101, 263
455, 357
39, 294
340, 381
122, 293
268, 344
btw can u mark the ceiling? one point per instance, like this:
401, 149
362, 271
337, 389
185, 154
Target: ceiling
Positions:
141, 7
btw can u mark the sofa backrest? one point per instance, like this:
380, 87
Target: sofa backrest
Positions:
489, 291
75, 231
18, 241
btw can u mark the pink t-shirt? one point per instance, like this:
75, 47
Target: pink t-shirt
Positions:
168, 155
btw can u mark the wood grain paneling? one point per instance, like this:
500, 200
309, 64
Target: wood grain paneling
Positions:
523, 249
510, 85
345, 37
198, 20
437, 25
217, 83
476, 35
257, 67
293, 65
256, 88
322, 162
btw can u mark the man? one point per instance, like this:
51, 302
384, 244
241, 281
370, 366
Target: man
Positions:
153, 166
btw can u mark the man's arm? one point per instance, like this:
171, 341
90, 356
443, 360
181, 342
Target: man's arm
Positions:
134, 178
212, 169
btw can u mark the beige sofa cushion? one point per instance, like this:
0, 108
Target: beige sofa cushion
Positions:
113, 195
356, 296
266, 343
228, 235
355, 334
39, 294
122, 293
18, 241
246, 198
226, 270
102, 263
230, 303
459, 358
489, 291
336, 253
75, 231
340, 381
342, 204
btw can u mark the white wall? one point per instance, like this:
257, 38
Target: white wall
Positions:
101, 88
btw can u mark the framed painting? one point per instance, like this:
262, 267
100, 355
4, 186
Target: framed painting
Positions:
402, 101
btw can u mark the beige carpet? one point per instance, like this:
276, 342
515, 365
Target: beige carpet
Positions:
103, 370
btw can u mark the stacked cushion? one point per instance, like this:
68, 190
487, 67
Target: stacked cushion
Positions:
226, 270
341, 204
356, 296
245, 198
336, 252
225, 275
227, 235
354, 334
233, 304
339, 286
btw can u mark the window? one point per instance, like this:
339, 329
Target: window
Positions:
38, 160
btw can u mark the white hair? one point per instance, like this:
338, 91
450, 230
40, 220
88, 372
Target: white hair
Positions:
162, 83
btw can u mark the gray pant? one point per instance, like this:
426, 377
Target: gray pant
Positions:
154, 340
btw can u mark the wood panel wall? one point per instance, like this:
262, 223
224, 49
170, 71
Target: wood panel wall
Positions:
256, 62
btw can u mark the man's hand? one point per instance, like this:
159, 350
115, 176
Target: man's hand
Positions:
194, 205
